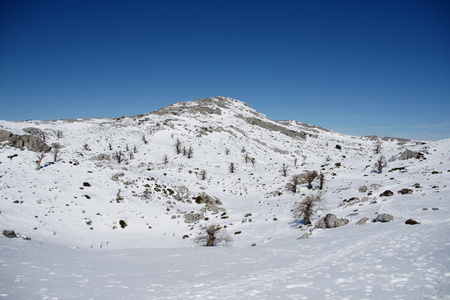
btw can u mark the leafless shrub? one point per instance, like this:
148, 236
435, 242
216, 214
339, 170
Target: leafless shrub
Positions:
40, 157
284, 170
307, 207
118, 155
380, 164
308, 177
178, 146
232, 168
59, 134
212, 235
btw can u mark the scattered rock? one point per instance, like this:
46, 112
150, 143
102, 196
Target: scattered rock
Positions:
362, 221
9, 233
123, 224
387, 193
411, 222
383, 218
87, 184
331, 221
435, 208
405, 191
116, 176
238, 232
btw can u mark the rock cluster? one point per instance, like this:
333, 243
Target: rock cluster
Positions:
331, 221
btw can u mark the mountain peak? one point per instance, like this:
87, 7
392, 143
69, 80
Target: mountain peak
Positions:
217, 105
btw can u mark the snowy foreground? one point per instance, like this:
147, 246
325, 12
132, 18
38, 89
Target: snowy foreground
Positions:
363, 263
103, 229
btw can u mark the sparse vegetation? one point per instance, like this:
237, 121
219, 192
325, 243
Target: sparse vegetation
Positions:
380, 164
118, 156
308, 177
40, 157
232, 167
308, 207
212, 235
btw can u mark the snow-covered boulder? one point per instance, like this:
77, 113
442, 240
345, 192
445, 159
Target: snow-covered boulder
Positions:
331, 221
383, 218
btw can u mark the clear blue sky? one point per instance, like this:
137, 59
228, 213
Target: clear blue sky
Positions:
356, 67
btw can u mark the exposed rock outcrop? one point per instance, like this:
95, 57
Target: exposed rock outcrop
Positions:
331, 221
383, 218
32, 143
4, 135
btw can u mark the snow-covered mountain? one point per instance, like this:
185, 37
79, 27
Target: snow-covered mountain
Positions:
118, 189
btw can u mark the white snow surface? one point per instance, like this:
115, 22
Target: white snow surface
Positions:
79, 250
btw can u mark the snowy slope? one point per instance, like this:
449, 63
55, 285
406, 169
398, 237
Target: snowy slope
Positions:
78, 248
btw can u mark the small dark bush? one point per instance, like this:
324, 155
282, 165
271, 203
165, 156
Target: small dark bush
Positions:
338, 147
86, 184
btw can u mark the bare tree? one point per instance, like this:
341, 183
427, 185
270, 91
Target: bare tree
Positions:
178, 146
135, 149
40, 157
86, 147
144, 139
292, 185
118, 197
377, 148
127, 148
212, 235
246, 157
232, 168
295, 162
227, 151
308, 177
131, 155
321, 180
189, 152
110, 146
203, 174
252, 159
166, 159
59, 134
380, 164
55, 154
307, 207
284, 170
118, 155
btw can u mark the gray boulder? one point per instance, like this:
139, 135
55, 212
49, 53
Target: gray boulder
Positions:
407, 154
193, 217
34, 131
4, 135
383, 218
32, 143
331, 221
